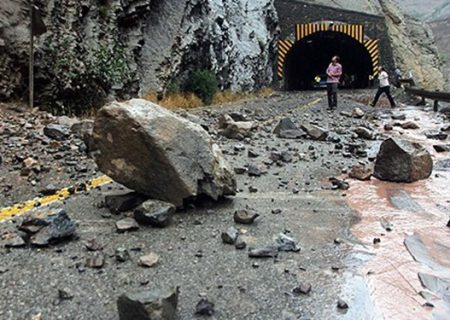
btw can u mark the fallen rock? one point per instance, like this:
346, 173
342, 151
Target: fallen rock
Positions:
365, 133
51, 229
402, 161
245, 216
388, 127
230, 236
12, 239
83, 128
263, 252
442, 148
398, 116
127, 224
303, 288
161, 155
149, 260
122, 202
315, 132
286, 129
357, 113
93, 245
95, 261
341, 304
155, 213
436, 135
339, 184
204, 307
409, 125
285, 243
121, 254
360, 172
57, 131
235, 129
158, 304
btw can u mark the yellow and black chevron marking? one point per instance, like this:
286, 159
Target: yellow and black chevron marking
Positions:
283, 48
355, 31
372, 46
62, 194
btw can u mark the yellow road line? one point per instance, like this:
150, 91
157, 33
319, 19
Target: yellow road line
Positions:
21, 208
309, 104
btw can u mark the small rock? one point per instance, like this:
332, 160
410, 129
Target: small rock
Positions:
127, 224
240, 244
245, 216
357, 113
65, 294
254, 171
95, 261
121, 254
286, 129
410, 125
341, 304
303, 288
158, 304
263, 252
155, 213
339, 184
442, 148
49, 190
204, 308
286, 243
12, 239
117, 203
360, 172
57, 131
365, 133
55, 228
93, 245
386, 225
230, 236
399, 116
388, 127
436, 135
315, 132
149, 260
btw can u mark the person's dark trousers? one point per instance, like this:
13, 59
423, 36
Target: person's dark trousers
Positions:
387, 91
332, 95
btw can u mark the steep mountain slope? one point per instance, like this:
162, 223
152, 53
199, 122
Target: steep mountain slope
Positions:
429, 10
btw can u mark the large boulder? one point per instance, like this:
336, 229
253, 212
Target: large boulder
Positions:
402, 161
157, 153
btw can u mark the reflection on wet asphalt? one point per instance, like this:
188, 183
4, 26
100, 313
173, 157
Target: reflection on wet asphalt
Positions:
408, 272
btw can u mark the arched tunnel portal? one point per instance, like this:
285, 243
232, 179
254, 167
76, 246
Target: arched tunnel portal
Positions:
306, 62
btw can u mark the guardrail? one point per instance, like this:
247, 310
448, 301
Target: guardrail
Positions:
433, 95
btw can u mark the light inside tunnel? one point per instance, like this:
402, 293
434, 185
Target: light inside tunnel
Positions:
308, 59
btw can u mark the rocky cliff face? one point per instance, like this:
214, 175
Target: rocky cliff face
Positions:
414, 47
95, 47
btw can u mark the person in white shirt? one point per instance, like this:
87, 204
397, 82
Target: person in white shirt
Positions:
384, 87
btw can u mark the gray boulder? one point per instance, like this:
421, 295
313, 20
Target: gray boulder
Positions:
157, 153
288, 130
315, 132
402, 161
159, 304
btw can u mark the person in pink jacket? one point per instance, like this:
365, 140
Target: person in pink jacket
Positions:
334, 72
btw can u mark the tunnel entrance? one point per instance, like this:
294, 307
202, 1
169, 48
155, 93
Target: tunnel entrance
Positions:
307, 61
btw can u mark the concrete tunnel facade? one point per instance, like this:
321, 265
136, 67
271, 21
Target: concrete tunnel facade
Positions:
312, 34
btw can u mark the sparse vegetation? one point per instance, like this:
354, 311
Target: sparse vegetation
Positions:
80, 78
188, 100
204, 84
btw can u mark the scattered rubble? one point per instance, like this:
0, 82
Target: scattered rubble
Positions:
127, 224
150, 260
121, 202
245, 216
360, 172
204, 308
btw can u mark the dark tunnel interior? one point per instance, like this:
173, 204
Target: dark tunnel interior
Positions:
307, 61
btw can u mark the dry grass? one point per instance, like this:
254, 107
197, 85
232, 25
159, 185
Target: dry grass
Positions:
176, 100
190, 100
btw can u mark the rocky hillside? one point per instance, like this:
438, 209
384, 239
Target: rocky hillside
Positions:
429, 10
97, 47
